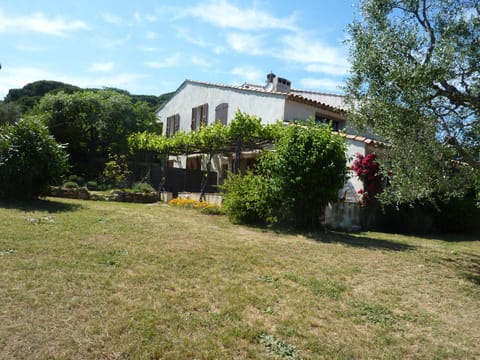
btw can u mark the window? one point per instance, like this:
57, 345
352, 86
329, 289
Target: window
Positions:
221, 113
173, 125
194, 163
199, 117
321, 119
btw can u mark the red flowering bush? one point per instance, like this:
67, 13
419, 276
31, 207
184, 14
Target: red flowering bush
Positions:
368, 171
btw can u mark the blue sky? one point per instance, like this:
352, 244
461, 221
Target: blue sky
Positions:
150, 47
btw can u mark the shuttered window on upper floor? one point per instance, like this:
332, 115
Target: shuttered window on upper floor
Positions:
221, 113
173, 125
199, 117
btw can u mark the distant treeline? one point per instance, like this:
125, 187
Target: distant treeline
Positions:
19, 101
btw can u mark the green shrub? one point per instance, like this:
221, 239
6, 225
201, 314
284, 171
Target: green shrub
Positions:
92, 185
70, 185
77, 179
294, 183
30, 160
143, 187
248, 199
116, 171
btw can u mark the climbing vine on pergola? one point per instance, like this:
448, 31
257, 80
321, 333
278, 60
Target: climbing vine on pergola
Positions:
244, 133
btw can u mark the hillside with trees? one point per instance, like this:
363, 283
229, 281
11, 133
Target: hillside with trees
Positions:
20, 101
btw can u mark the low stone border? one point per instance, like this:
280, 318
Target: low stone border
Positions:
115, 195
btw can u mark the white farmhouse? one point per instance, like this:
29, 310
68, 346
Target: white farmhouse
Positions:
198, 103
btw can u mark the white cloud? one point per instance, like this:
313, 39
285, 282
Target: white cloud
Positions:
101, 67
327, 69
318, 56
29, 48
246, 43
185, 34
111, 19
109, 43
225, 15
321, 84
169, 61
39, 23
151, 35
200, 61
248, 73
148, 48
140, 18
218, 50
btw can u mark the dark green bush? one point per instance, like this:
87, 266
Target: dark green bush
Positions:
70, 185
92, 185
143, 187
77, 179
30, 160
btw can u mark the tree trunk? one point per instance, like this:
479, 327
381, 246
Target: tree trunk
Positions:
238, 153
205, 178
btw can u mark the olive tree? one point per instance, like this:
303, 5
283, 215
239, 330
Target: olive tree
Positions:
415, 81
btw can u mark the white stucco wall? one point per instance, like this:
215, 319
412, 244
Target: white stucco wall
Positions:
295, 110
269, 107
354, 147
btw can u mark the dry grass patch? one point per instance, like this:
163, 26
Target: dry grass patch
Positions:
118, 281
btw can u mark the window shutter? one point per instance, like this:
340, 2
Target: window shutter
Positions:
204, 120
177, 123
221, 113
169, 126
194, 116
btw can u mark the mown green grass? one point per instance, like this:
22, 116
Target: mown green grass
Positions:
90, 280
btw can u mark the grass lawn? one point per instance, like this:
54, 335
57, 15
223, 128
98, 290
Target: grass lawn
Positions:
90, 280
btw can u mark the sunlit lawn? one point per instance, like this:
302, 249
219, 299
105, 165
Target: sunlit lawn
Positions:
89, 280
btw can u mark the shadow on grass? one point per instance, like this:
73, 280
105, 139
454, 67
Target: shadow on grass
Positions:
337, 237
453, 237
467, 265
40, 205
360, 241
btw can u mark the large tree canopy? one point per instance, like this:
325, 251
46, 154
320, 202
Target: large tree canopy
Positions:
415, 81
94, 123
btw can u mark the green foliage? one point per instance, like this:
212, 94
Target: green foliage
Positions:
92, 185
248, 199
70, 185
28, 96
143, 187
116, 171
10, 112
243, 131
415, 82
30, 160
244, 128
94, 123
294, 183
278, 347
307, 169
78, 179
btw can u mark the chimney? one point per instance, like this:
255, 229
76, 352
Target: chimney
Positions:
278, 84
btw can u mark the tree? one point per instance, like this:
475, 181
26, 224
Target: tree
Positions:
94, 123
9, 112
307, 169
28, 96
242, 132
295, 182
30, 160
415, 81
